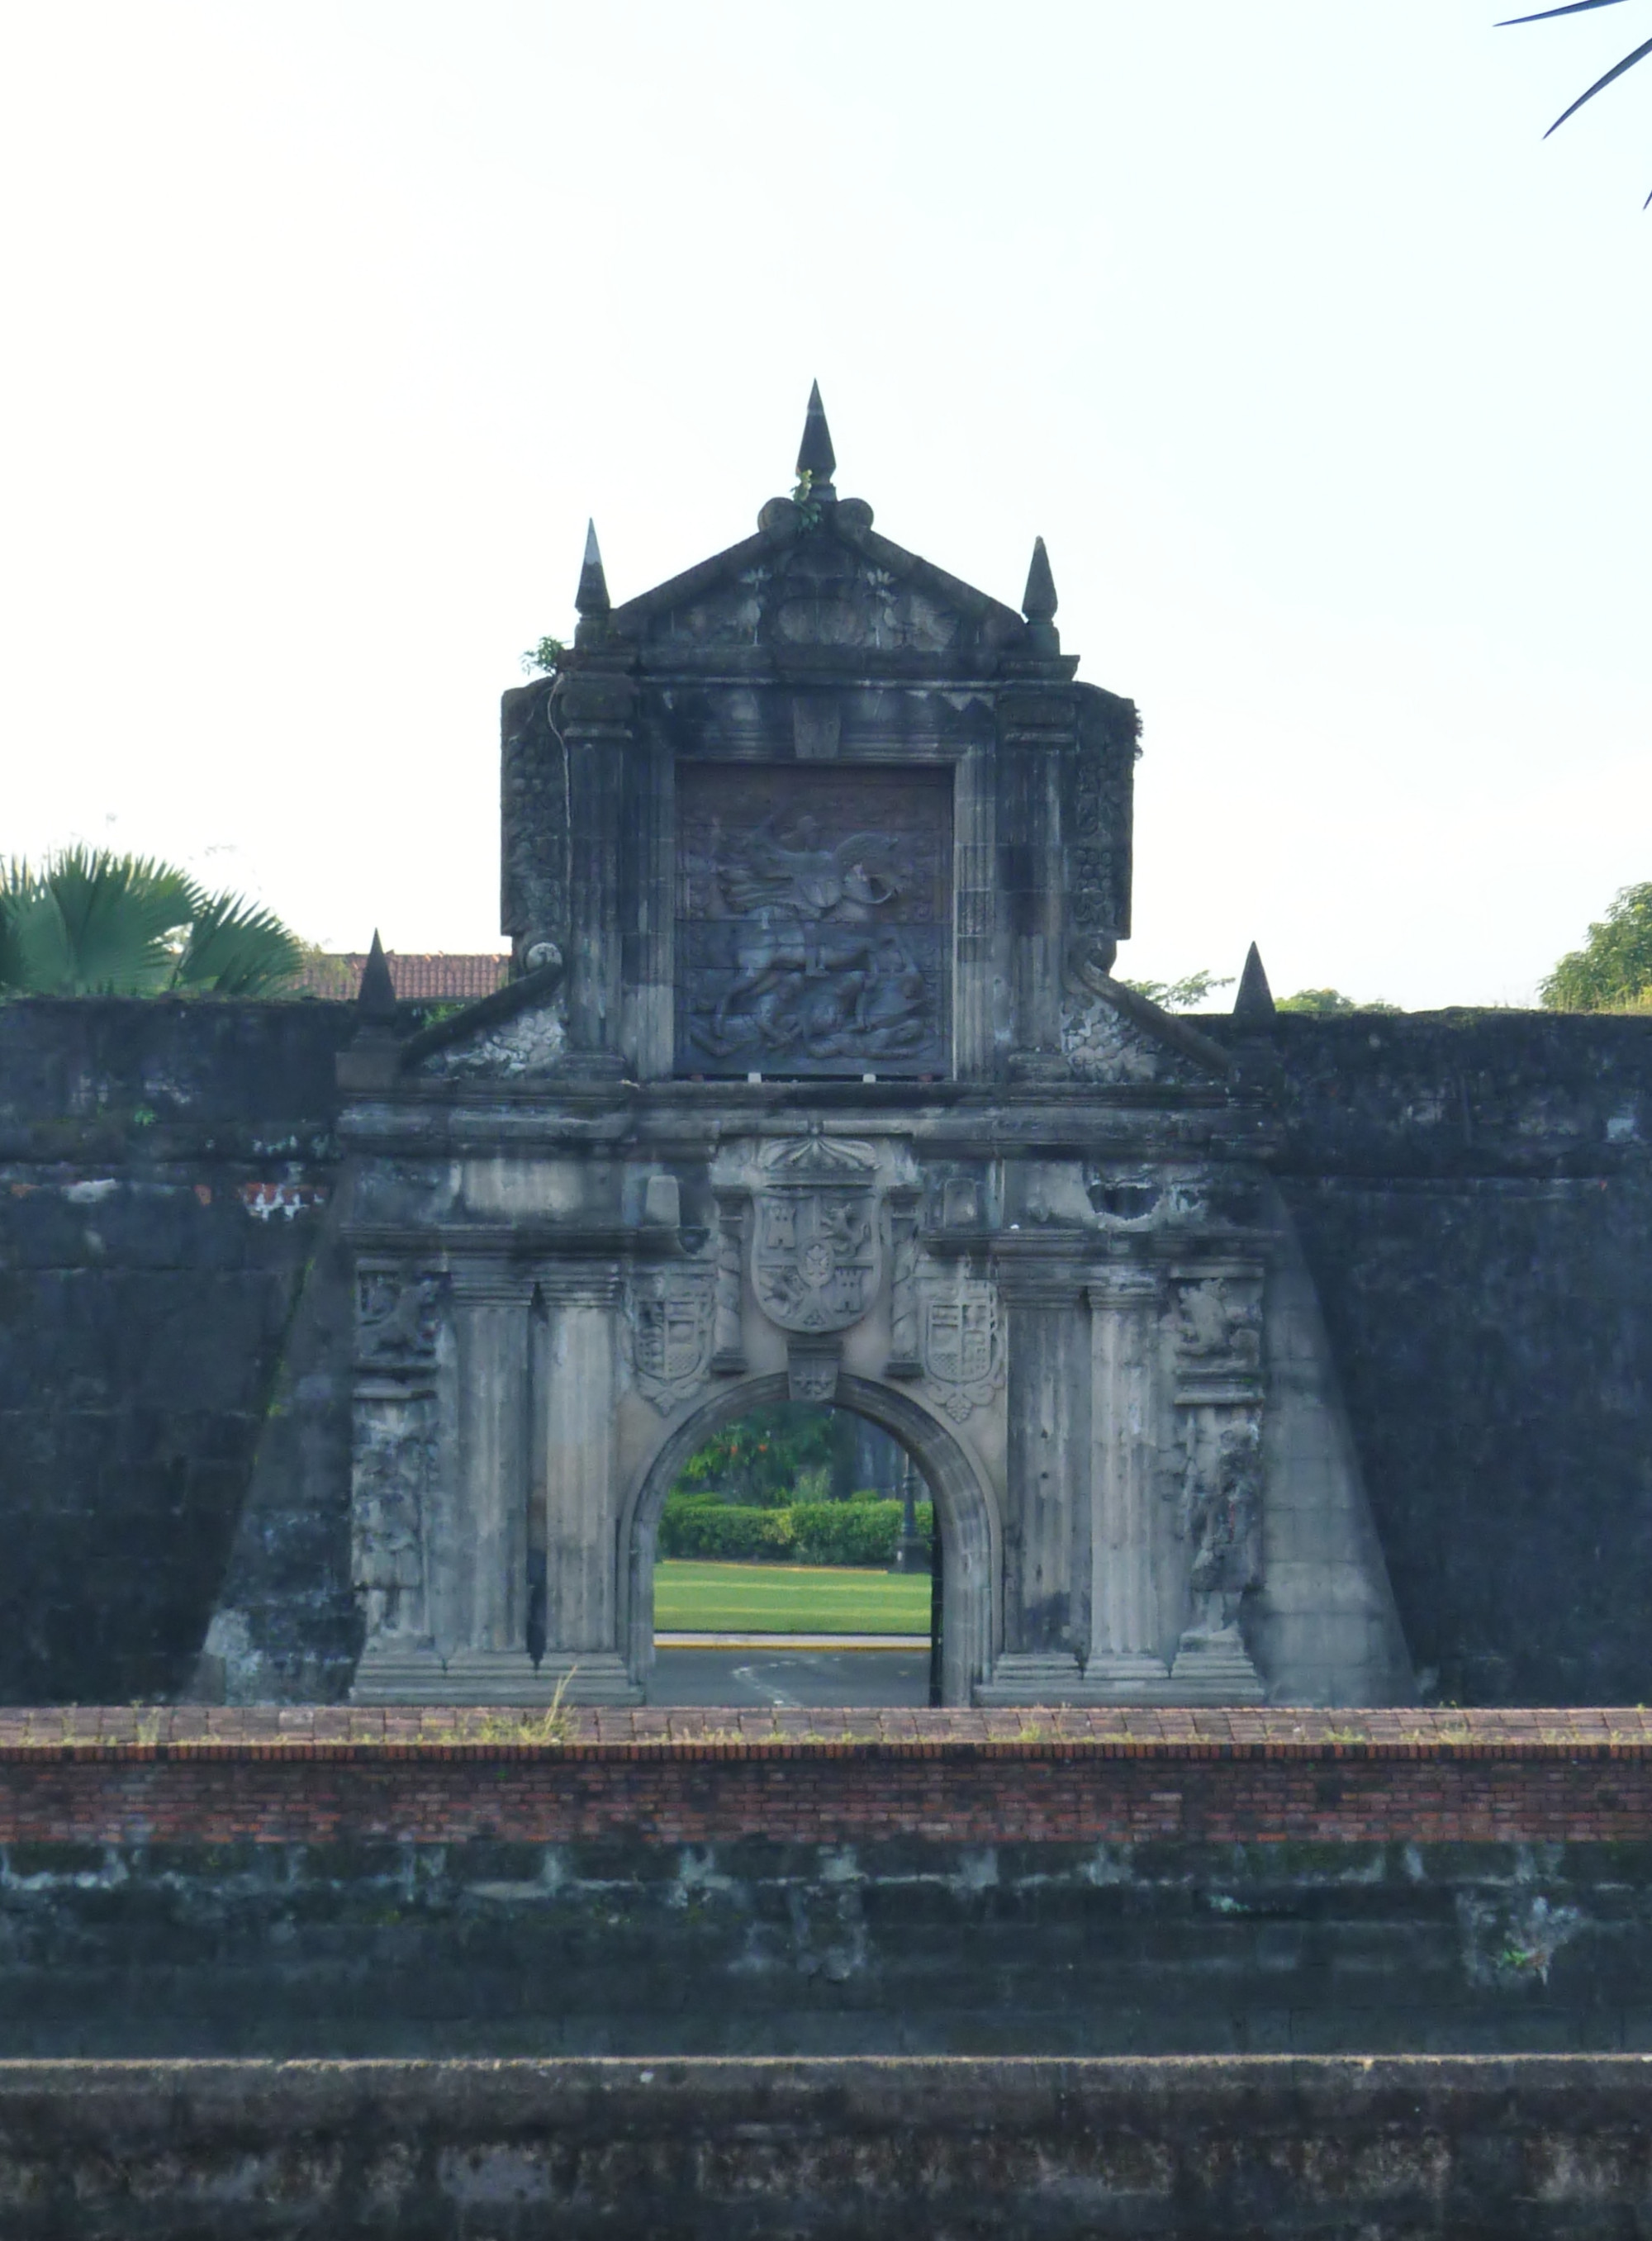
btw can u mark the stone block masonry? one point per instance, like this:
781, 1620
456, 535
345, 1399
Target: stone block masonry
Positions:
1471, 1193
1226, 2150
431, 1883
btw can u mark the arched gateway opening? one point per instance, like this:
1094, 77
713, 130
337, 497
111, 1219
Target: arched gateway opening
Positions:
966, 1516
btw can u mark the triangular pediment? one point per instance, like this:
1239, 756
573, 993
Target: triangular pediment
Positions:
1111, 1035
819, 578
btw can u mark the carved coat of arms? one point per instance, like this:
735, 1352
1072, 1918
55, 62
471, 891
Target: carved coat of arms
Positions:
668, 1330
816, 1255
962, 1346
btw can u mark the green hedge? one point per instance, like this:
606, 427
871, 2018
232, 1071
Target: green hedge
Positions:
807, 1533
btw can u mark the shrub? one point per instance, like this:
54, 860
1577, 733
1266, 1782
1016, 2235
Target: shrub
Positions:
804, 1533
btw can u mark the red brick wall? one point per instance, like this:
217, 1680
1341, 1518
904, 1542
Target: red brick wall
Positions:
430, 1776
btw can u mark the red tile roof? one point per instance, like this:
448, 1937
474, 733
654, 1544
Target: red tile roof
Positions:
420, 977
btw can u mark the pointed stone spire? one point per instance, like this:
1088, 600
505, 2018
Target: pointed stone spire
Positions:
816, 457
376, 998
1038, 603
591, 598
1256, 999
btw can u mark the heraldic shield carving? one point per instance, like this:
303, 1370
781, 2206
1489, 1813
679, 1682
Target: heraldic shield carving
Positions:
816, 1254
668, 1334
963, 1353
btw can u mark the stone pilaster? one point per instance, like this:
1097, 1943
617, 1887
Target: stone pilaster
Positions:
1035, 727
577, 1407
728, 1346
398, 1315
481, 1624
1125, 1659
596, 715
1047, 1425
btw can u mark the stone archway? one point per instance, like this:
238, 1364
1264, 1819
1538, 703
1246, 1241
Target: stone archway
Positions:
970, 1530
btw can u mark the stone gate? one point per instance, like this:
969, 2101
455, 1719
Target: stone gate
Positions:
814, 1079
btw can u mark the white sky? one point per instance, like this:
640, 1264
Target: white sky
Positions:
329, 321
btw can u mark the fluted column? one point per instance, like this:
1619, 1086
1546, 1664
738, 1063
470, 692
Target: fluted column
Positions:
1048, 1429
581, 1491
479, 1582
1125, 1651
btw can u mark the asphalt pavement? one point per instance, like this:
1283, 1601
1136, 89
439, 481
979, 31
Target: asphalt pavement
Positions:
751, 1676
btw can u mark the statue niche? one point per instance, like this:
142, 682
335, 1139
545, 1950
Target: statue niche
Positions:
813, 926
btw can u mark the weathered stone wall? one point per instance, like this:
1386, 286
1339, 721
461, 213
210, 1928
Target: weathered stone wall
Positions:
244, 1885
166, 1173
1473, 1193
878, 2151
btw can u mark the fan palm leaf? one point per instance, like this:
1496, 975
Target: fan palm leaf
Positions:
235, 949
88, 922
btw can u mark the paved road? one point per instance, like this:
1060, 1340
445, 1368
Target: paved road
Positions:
789, 1677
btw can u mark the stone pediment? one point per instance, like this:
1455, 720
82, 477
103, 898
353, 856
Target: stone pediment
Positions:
817, 578
1112, 1035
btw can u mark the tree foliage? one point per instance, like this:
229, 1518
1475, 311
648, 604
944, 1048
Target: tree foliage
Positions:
1612, 971
88, 922
760, 1460
1183, 995
1329, 1003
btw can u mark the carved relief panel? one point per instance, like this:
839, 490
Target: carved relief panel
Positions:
814, 920
398, 1320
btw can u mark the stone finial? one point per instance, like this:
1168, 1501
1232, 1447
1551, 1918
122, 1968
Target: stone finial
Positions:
816, 457
1256, 999
1038, 601
591, 598
376, 998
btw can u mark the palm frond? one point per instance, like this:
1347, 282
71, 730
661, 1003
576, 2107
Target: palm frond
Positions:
1616, 70
92, 923
87, 922
1579, 8
1571, 8
234, 948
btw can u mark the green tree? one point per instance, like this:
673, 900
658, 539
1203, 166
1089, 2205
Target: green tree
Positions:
90, 923
1183, 995
759, 1459
1327, 1001
1612, 971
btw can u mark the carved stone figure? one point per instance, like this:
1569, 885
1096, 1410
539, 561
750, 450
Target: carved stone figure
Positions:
1220, 1514
394, 1452
1218, 1328
398, 1315
813, 940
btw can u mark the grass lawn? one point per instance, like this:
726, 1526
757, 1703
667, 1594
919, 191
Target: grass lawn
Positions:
788, 1599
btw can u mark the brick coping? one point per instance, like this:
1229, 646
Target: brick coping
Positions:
139, 1733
